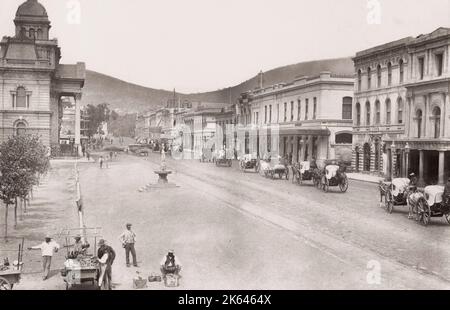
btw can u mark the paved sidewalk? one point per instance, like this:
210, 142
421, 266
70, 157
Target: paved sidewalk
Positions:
364, 177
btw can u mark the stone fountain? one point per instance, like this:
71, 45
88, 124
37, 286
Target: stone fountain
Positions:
163, 173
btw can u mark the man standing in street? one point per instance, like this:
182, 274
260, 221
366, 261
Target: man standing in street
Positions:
48, 248
128, 239
106, 256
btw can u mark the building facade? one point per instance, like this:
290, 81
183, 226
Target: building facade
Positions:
379, 104
312, 117
417, 139
34, 82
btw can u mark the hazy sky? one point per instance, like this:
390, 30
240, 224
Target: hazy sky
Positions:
200, 45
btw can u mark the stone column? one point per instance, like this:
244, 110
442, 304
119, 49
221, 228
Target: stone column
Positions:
393, 163
443, 116
441, 167
310, 148
421, 180
389, 164
295, 155
303, 150
407, 163
77, 99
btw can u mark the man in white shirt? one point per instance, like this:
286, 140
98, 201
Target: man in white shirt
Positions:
128, 239
48, 248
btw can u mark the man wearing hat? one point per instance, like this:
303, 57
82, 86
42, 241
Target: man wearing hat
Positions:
170, 264
106, 256
79, 247
413, 179
128, 239
48, 248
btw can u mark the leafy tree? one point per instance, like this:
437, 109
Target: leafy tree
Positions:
22, 160
97, 115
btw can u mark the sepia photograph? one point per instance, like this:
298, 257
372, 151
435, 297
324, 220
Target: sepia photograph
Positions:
224, 145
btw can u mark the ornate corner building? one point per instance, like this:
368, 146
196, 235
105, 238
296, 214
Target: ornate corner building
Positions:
401, 121
33, 82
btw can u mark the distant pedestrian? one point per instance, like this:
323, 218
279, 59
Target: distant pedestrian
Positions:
100, 161
111, 154
48, 248
128, 239
88, 155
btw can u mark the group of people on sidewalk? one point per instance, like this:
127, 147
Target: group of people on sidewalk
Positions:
106, 255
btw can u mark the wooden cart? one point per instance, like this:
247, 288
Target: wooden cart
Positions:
11, 276
82, 269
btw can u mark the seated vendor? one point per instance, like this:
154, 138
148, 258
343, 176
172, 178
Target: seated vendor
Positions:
79, 247
170, 264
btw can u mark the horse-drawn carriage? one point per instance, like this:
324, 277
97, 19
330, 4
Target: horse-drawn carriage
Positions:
249, 161
431, 203
223, 159
275, 167
395, 193
333, 176
303, 171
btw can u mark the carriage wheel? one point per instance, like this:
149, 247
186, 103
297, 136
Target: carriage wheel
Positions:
426, 212
447, 217
5, 285
344, 184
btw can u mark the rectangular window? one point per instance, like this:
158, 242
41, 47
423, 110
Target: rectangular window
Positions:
292, 111
421, 67
439, 64
265, 115
347, 111
13, 100
315, 108
306, 108
299, 109
285, 112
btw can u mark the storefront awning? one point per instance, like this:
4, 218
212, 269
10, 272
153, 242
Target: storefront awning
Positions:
305, 131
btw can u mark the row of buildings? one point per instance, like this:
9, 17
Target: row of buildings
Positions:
390, 118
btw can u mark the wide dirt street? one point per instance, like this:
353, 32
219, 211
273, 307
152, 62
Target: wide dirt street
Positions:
234, 230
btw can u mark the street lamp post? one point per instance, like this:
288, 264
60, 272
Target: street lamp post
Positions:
407, 150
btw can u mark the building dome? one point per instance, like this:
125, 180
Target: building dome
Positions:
32, 10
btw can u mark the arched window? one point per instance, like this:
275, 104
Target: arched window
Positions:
402, 70
388, 111
367, 113
359, 80
419, 123
344, 138
358, 114
437, 121
32, 33
379, 76
400, 110
21, 128
21, 101
369, 78
347, 108
389, 68
377, 113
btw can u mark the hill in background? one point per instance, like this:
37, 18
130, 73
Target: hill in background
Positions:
130, 98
